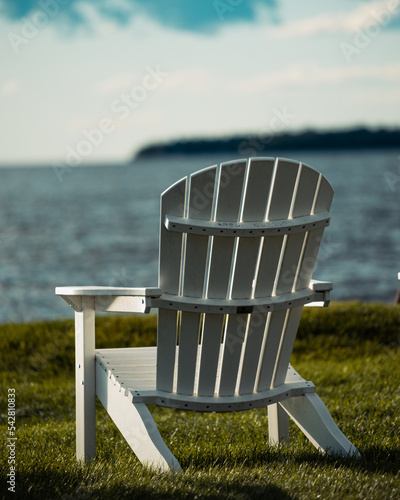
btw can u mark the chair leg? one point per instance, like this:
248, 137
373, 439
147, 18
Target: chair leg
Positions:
85, 381
278, 425
315, 421
136, 424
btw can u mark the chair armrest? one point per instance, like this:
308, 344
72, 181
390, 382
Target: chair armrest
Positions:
110, 299
321, 286
324, 287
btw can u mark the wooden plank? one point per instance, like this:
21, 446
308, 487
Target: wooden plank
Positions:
230, 188
220, 268
228, 203
283, 195
305, 193
257, 192
284, 181
286, 346
324, 196
252, 350
200, 205
111, 303
307, 264
172, 202
308, 184
166, 348
269, 352
289, 263
258, 189
187, 358
283, 189
108, 290
231, 353
245, 267
269, 260
322, 202
210, 348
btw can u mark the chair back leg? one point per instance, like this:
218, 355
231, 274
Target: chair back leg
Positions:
313, 418
278, 425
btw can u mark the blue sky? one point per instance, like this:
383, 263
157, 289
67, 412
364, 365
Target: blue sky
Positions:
93, 81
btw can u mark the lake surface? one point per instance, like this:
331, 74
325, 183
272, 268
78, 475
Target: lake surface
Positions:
99, 226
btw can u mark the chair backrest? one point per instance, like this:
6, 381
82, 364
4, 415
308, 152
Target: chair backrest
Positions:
236, 233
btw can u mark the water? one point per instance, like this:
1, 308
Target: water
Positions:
99, 226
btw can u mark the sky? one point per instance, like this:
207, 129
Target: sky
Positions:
94, 81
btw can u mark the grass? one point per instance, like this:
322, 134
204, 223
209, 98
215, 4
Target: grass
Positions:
350, 351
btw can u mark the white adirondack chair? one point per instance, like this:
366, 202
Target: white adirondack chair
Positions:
238, 244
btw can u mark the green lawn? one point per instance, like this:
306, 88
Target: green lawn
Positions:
350, 351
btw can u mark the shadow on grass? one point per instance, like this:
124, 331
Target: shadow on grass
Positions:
145, 484
374, 459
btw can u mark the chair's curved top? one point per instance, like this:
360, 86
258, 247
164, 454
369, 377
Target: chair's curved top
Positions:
241, 199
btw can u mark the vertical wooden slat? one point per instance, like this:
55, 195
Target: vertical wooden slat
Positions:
283, 188
270, 349
231, 352
270, 255
286, 345
305, 194
166, 348
187, 359
228, 202
172, 203
322, 202
324, 196
284, 181
228, 205
289, 263
254, 340
210, 349
200, 205
254, 208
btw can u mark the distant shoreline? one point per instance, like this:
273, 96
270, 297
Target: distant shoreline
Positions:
251, 145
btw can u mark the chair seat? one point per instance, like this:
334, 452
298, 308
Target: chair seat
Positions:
133, 371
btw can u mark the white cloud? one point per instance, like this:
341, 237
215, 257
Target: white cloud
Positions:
198, 80
380, 12
116, 83
10, 87
311, 74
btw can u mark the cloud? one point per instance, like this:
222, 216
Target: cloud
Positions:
383, 12
311, 74
189, 15
10, 87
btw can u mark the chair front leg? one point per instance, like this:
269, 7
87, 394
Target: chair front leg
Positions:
85, 386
